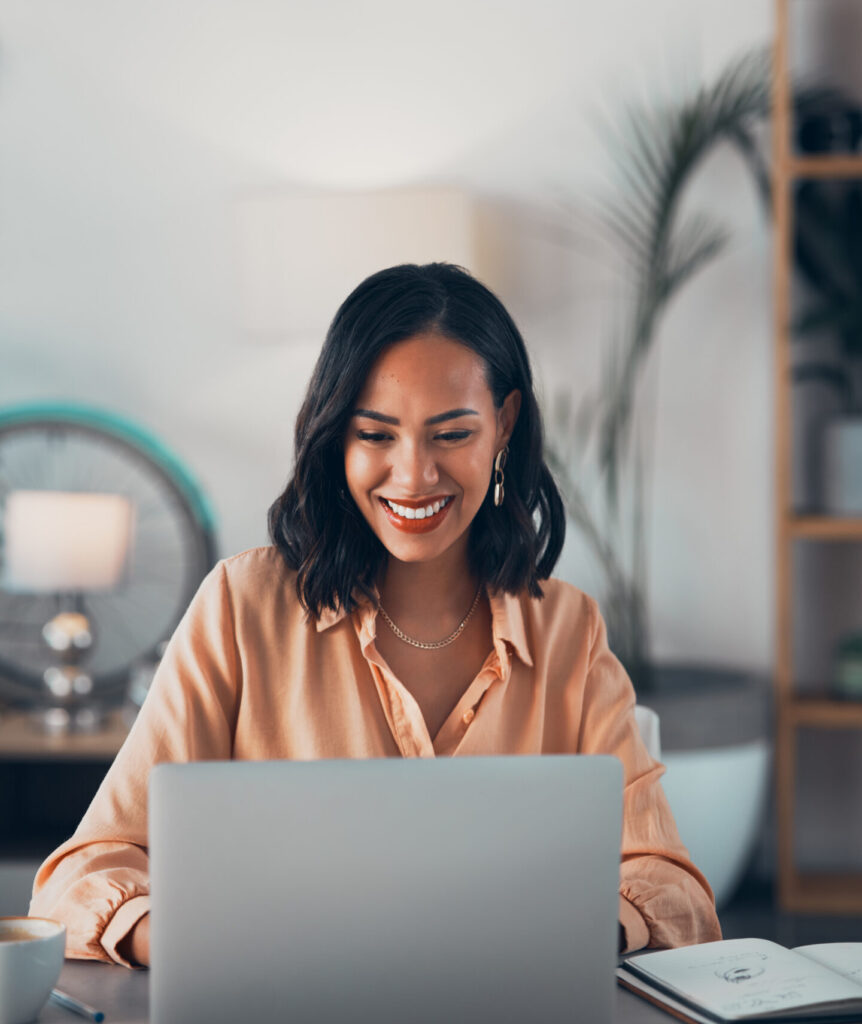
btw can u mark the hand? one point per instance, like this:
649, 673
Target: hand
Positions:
135, 947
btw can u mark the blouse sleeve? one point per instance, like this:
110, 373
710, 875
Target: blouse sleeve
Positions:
664, 900
97, 882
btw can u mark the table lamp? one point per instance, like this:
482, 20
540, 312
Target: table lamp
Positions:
69, 545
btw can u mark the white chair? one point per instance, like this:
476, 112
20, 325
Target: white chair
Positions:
648, 724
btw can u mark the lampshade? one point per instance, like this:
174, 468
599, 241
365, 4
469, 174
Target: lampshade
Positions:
60, 542
301, 255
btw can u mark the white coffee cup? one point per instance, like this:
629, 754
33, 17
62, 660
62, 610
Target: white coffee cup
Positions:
31, 958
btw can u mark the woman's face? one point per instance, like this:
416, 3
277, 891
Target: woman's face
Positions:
421, 443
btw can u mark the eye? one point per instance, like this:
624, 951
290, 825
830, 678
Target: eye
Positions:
374, 436
454, 435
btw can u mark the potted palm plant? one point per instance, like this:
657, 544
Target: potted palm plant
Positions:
658, 151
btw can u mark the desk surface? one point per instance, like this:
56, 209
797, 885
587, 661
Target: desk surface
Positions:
21, 740
123, 996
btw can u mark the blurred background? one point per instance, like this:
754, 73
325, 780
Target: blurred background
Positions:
186, 189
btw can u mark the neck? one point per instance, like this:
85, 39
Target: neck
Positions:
438, 592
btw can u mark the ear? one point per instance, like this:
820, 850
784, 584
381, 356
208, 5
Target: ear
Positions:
507, 417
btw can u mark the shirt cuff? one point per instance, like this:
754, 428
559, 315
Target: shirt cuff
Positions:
125, 919
634, 927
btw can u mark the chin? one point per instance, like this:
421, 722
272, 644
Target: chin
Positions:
417, 553
418, 548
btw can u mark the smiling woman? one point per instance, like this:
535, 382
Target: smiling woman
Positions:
405, 609
423, 380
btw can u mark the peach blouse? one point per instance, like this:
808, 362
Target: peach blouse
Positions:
248, 675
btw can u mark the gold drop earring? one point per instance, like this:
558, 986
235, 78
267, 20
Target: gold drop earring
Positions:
499, 466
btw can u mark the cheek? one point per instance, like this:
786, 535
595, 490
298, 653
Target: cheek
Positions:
360, 469
474, 474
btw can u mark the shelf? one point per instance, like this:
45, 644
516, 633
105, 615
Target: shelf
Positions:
825, 713
20, 740
798, 890
826, 165
837, 528
838, 893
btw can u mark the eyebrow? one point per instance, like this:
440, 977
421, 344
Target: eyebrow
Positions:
452, 414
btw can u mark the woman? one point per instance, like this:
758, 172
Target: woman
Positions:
398, 612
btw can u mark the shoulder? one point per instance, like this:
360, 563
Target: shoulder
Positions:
562, 604
254, 579
256, 566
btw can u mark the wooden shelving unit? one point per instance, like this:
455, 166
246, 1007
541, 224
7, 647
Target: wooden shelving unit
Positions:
798, 891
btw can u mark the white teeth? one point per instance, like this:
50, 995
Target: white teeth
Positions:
417, 513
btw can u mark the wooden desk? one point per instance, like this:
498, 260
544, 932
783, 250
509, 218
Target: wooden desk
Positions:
123, 996
20, 740
47, 782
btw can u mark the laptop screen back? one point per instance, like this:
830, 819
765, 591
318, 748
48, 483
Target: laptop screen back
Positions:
470, 889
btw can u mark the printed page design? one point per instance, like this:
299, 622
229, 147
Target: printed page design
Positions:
742, 977
844, 957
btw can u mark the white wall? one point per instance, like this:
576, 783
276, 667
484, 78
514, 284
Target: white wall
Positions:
128, 131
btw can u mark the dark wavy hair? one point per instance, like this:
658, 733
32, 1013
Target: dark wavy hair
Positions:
315, 523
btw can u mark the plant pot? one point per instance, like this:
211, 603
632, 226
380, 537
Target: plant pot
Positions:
717, 752
718, 798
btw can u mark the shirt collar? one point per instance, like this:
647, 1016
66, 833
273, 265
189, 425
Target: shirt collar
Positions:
507, 623
507, 620
365, 606
329, 617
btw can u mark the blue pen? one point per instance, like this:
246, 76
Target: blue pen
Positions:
75, 1005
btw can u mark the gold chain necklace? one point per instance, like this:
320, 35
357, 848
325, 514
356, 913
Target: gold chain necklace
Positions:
437, 644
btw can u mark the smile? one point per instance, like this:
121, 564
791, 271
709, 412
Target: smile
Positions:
423, 512
416, 519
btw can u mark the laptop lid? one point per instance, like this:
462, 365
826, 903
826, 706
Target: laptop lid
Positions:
470, 889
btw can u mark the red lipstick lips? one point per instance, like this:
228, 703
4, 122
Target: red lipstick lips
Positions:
425, 525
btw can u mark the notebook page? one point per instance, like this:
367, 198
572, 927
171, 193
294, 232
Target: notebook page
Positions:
844, 957
737, 978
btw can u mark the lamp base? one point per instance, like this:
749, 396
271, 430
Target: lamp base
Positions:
71, 707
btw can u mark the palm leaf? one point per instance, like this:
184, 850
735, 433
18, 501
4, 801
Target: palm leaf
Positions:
656, 152
696, 242
661, 150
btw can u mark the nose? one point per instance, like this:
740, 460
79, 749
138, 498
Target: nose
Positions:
414, 469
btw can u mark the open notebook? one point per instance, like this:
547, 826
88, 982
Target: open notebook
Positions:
751, 980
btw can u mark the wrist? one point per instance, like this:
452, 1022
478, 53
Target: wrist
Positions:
135, 947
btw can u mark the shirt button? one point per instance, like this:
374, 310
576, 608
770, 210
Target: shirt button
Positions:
468, 716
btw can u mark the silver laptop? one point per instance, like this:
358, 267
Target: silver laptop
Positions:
473, 890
